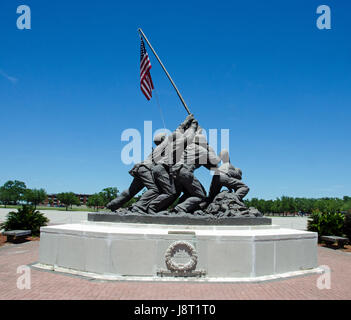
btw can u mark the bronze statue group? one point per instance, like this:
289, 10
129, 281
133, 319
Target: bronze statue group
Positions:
168, 172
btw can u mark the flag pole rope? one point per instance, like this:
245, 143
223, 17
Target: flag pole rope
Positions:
164, 69
161, 113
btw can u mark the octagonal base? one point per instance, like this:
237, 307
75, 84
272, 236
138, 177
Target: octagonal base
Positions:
137, 251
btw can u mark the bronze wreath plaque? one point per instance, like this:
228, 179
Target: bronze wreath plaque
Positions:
181, 250
175, 248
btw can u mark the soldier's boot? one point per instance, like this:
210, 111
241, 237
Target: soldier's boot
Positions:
137, 209
242, 192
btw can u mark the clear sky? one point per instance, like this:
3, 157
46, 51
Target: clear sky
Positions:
70, 86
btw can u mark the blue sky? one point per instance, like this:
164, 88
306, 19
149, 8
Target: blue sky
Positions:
70, 86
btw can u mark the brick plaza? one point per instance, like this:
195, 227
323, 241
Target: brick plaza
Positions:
51, 285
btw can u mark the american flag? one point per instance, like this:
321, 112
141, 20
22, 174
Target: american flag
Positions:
146, 84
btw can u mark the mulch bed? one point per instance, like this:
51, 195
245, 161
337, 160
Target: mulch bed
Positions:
3, 239
31, 238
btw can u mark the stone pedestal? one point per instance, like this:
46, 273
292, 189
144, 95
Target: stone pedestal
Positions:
178, 219
137, 251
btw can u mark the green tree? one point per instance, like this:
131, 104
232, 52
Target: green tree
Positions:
5, 196
303, 204
96, 200
12, 191
276, 207
287, 204
108, 194
35, 196
269, 206
68, 199
307, 205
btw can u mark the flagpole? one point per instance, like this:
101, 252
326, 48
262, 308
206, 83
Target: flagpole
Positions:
164, 69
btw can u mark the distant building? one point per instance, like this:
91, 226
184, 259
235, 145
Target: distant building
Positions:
53, 201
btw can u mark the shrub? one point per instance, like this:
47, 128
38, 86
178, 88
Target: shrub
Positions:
25, 218
326, 224
347, 226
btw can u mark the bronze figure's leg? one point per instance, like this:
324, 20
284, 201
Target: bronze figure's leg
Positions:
167, 189
145, 175
193, 188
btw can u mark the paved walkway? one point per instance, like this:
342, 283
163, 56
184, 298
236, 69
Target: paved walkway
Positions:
61, 217
50, 285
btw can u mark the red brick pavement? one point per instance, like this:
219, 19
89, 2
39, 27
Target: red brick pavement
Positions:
49, 285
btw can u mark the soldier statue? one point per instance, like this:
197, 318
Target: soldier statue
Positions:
228, 176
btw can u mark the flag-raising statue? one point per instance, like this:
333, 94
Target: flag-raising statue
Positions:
168, 171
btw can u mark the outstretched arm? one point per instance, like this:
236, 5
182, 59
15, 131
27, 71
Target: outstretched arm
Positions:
182, 127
